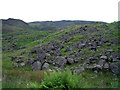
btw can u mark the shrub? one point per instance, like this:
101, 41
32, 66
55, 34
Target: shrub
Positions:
57, 79
61, 80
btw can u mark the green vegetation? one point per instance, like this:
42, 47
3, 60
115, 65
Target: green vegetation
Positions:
63, 79
29, 38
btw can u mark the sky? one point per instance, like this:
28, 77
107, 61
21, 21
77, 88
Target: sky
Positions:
54, 10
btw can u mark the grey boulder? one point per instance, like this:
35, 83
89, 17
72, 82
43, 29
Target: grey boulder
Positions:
36, 66
45, 66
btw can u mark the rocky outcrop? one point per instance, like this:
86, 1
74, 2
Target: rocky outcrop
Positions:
90, 53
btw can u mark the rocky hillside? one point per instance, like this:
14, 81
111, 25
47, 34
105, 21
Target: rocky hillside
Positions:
78, 48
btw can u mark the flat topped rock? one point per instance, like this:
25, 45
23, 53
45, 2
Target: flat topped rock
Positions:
103, 57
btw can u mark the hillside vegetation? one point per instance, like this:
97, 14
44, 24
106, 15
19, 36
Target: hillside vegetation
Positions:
85, 51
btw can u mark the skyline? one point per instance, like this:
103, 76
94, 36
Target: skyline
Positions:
52, 10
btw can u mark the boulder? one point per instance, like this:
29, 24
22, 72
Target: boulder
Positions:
60, 61
45, 66
83, 45
13, 57
57, 68
76, 60
41, 56
70, 61
30, 61
57, 53
36, 66
19, 60
70, 48
115, 68
47, 55
106, 66
103, 57
23, 52
50, 70
78, 70
115, 40
101, 63
22, 47
115, 60
110, 50
105, 40
90, 67
21, 64
92, 60
15, 65
85, 65
93, 48
97, 67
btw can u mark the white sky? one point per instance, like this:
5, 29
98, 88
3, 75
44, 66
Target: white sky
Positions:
43, 10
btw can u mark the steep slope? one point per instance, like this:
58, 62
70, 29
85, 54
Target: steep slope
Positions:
78, 48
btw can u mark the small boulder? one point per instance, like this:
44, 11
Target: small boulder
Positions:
103, 57
106, 66
45, 66
15, 65
21, 65
101, 63
70, 61
23, 52
79, 70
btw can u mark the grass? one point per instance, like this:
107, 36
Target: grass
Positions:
60, 80
65, 79
20, 79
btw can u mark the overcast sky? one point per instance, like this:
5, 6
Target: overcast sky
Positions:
43, 10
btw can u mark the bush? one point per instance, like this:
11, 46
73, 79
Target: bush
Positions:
61, 80
56, 79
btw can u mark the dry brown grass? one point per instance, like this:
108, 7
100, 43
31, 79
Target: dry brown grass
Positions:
26, 75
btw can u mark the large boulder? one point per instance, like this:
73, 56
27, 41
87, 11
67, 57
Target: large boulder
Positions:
115, 68
60, 61
36, 66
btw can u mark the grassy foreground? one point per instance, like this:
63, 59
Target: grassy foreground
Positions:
55, 79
